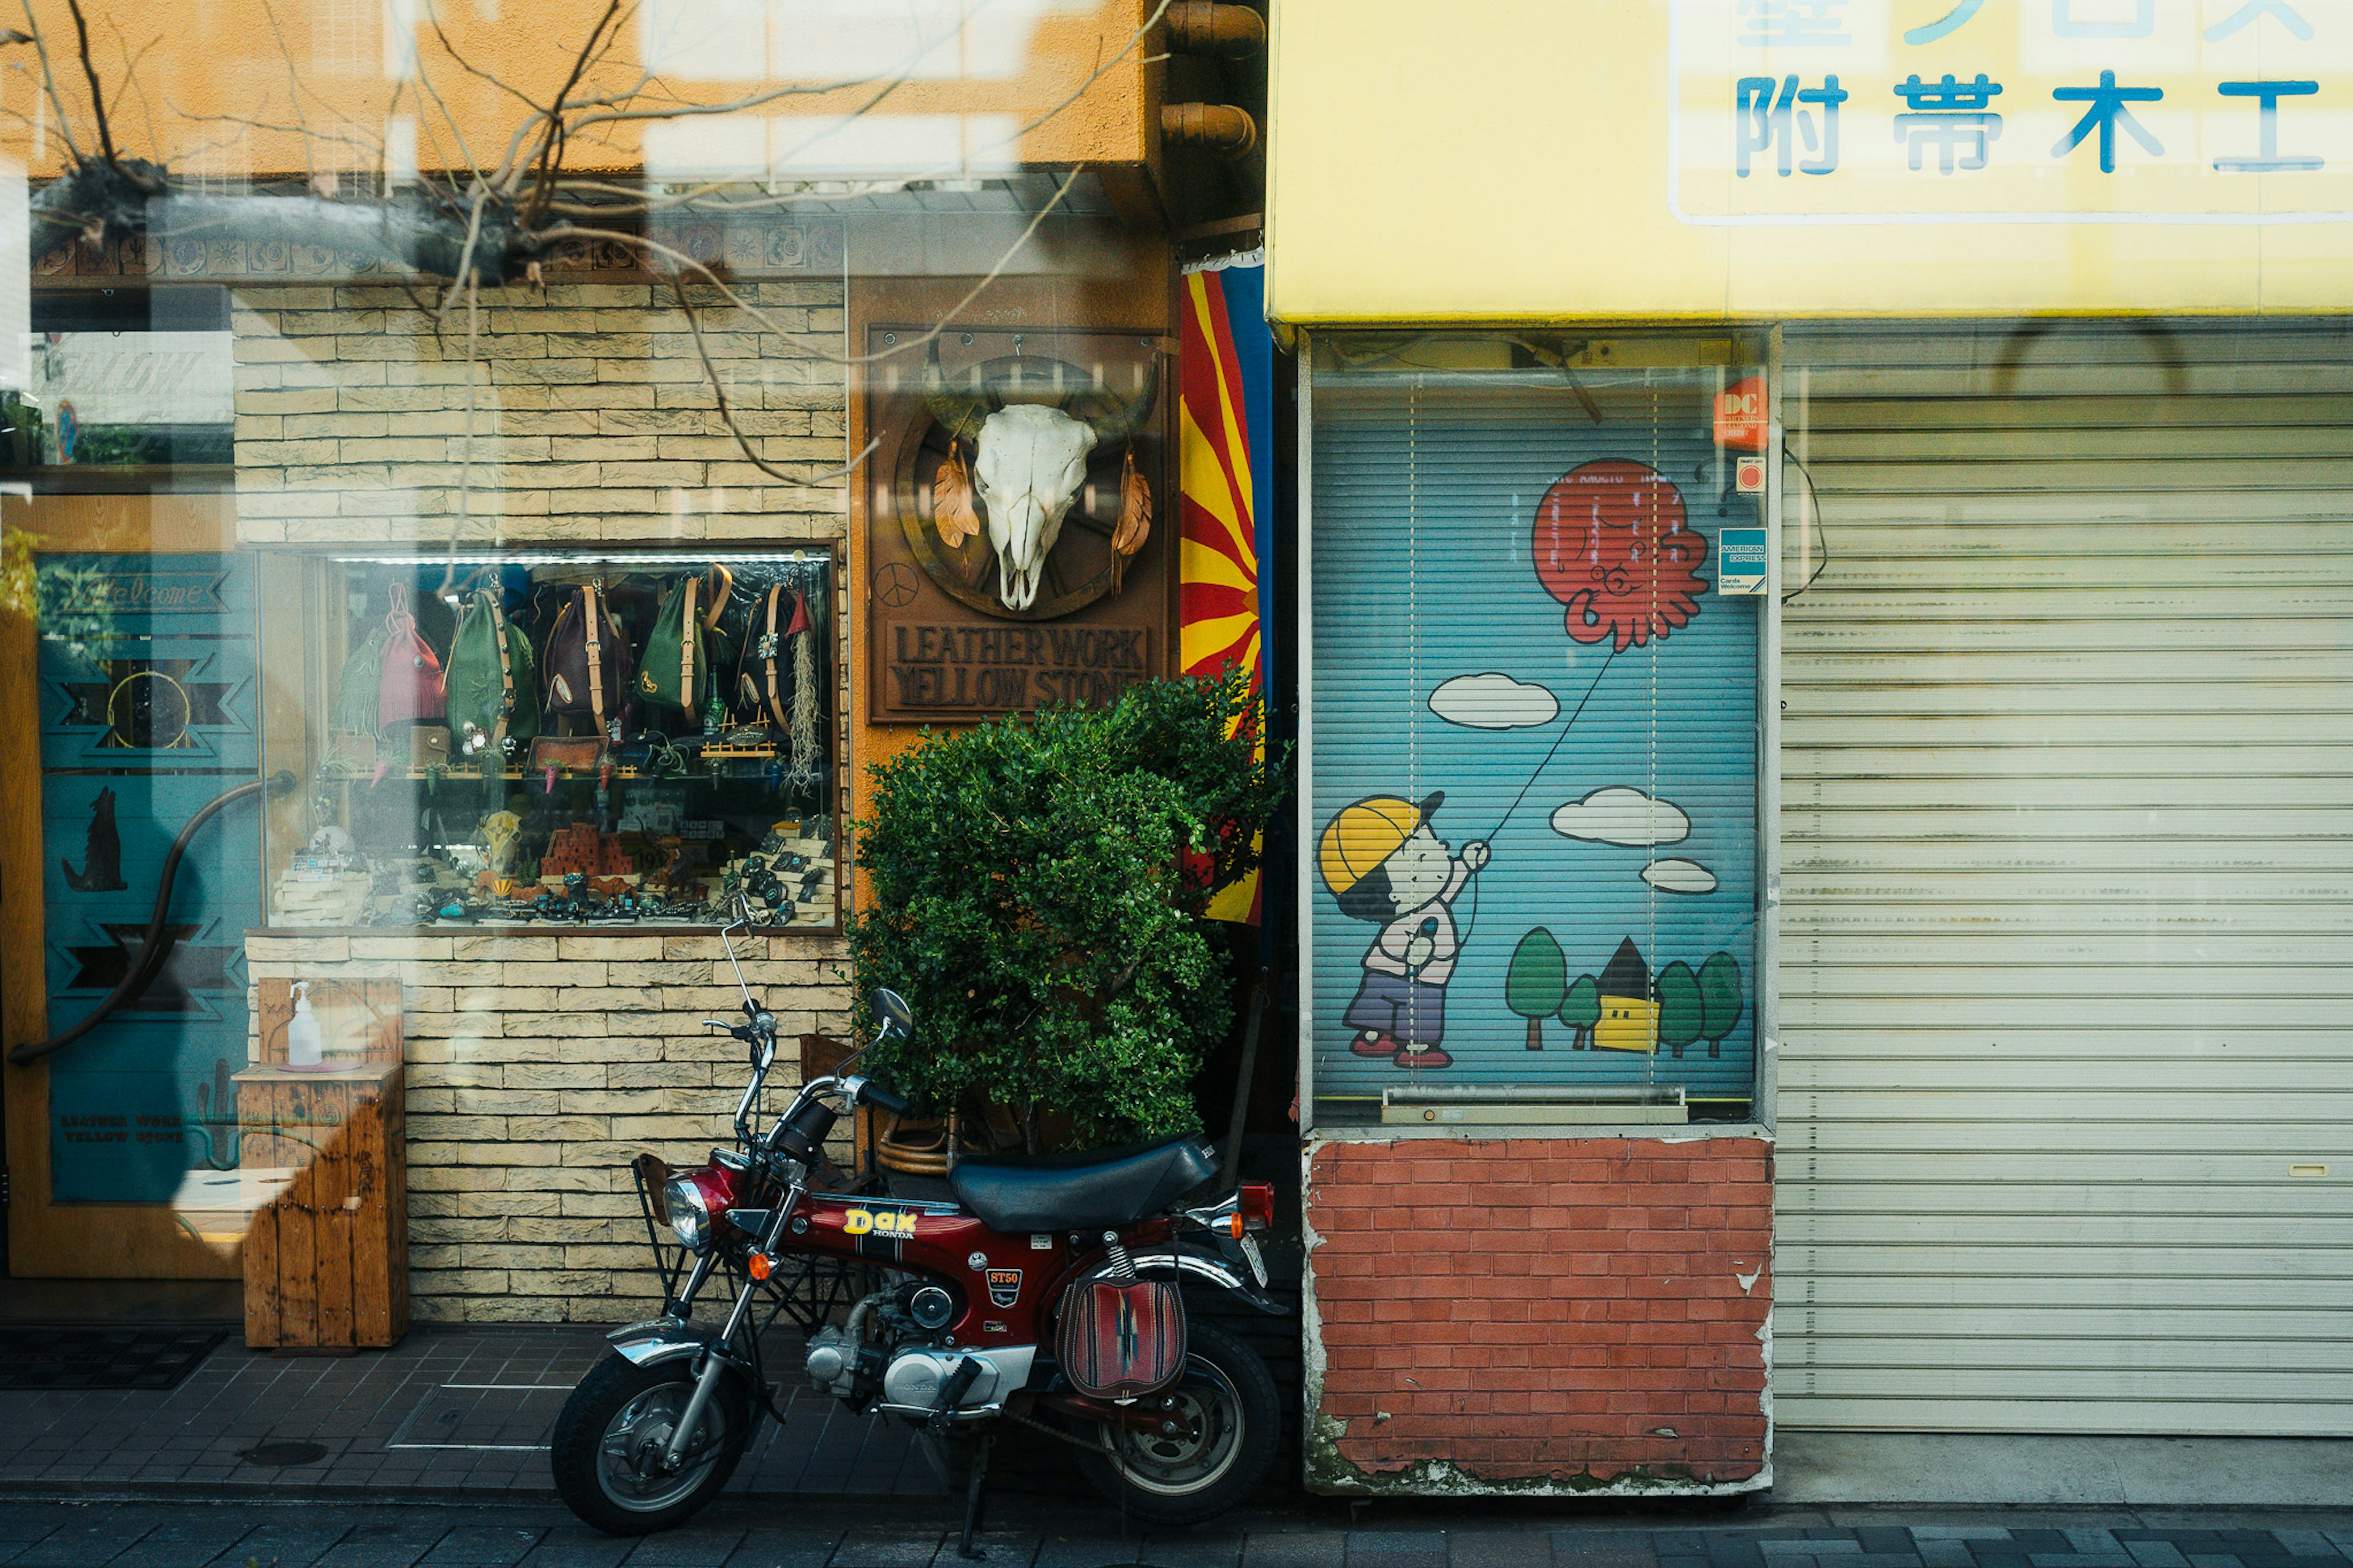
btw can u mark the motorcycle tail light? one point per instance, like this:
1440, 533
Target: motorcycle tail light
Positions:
1257, 1205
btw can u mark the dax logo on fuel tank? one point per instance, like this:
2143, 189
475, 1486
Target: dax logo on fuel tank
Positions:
882, 1222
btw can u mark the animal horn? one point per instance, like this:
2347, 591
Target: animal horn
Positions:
1129, 417
963, 412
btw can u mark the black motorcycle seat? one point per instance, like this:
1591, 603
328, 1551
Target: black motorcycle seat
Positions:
1082, 1192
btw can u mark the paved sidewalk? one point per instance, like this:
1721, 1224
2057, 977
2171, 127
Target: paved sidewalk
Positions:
452, 1413
742, 1536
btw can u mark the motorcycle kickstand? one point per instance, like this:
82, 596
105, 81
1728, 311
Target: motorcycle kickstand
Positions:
975, 1498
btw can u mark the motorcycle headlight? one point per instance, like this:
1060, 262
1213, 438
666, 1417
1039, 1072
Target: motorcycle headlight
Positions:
690, 1215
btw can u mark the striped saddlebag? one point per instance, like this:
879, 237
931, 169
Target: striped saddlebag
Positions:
1118, 1341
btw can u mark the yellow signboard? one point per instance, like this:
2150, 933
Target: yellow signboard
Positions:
1762, 158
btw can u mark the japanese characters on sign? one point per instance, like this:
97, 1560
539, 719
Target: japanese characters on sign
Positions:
2223, 112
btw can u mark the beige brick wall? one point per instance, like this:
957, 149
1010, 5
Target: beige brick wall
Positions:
538, 1065
593, 417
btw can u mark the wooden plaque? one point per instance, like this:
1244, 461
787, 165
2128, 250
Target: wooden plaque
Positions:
942, 644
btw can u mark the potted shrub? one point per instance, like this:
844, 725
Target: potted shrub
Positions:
1036, 885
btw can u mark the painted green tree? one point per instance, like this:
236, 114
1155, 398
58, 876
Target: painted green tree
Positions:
1678, 1006
1581, 1009
1719, 1000
1533, 985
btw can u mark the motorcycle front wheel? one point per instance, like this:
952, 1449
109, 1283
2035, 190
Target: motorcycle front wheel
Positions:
1227, 1415
608, 1442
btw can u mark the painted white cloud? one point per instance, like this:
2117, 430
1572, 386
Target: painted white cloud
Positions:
1679, 876
1621, 815
1492, 702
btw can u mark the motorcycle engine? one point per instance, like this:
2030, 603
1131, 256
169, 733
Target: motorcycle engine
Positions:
915, 1376
841, 1366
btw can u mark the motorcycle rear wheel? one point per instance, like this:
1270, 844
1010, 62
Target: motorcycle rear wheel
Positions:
618, 1419
1226, 1402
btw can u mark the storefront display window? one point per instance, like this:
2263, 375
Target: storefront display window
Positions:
572, 736
1533, 831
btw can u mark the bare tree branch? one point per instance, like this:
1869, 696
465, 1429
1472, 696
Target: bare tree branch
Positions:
727, 413
551, 148
49, 84
97, 93
681, 260
131, 75
433, 19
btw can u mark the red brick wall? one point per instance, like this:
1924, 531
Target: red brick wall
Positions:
1535, 1309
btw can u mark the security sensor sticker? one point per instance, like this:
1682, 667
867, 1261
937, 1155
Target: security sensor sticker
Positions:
1004, 1286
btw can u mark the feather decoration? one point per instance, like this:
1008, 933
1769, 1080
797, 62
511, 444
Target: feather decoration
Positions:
952, 508
1134, 519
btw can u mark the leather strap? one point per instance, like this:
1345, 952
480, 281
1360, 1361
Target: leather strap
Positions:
506, 679
588, 616
688, 636
775, 701
723, 582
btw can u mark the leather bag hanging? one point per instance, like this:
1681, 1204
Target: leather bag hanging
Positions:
586, 662
1121, 1341
410, 690
359, 698
763, 681
491, 697
676, 670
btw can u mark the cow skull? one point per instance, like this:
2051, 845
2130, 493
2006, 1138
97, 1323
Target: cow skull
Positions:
1030, 460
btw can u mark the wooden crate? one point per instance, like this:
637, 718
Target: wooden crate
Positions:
326, 1262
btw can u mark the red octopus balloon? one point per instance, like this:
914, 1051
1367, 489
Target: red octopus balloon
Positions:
1612, 546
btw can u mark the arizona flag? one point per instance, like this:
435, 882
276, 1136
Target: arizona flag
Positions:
1226, 483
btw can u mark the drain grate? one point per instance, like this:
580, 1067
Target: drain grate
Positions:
282, 1453
483, 1417
34, 1358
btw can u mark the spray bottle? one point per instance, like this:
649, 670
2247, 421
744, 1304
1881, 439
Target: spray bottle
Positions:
305, 1050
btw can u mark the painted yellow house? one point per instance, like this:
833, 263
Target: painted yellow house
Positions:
1630, 1012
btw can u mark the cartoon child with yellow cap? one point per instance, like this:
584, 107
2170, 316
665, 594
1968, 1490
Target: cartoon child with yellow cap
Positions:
1383, 864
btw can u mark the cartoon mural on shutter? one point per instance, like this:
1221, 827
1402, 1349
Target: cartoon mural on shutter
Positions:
1512, 623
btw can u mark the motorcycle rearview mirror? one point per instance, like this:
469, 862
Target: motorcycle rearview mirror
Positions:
890, 1010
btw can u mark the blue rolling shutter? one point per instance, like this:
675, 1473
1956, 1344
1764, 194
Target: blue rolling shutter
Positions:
1616, 787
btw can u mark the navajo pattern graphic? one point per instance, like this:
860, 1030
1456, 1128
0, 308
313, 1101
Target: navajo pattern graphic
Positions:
1225, 483
1121, 1342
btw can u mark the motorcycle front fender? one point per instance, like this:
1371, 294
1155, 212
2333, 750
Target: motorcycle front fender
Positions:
657, 1340
1184, 1263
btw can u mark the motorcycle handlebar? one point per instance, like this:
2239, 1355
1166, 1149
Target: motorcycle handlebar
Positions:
882, 1100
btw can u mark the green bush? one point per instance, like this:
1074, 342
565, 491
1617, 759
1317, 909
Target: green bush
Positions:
1036, 884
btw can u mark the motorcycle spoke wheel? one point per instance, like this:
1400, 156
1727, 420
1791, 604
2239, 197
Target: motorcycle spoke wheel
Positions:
1207, 1410
606, 1449
628, 1456
1224, 1415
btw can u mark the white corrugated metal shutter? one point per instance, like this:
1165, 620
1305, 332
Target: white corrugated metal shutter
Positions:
2066, 1109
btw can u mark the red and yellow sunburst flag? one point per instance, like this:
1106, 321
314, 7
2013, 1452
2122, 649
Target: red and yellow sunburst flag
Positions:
1225, 484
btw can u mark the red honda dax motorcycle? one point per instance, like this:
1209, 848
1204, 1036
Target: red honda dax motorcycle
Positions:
1044, 1295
